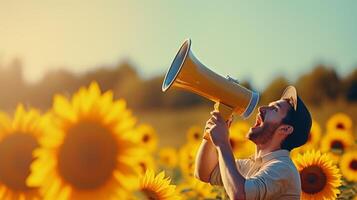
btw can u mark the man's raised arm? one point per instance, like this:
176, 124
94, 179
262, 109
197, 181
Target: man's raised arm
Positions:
206, 160
206, 157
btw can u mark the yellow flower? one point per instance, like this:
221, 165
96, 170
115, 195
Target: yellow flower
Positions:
187, 155
314, 136
335, 143
157, 187
146, 136
144, 163
241, 146
168, 157
348, 165
19, 136
193, 188
339, 121
313, 140
320, 178
92, 154
194, 134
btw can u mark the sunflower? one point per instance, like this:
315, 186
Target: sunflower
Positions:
146, 136
339, 121
193, 188
320, 178
92, 155
241, 146
158, 187
348, 165
168, 157
187, 155
194, 134
335, 143
144, 163
313, 139
18, 139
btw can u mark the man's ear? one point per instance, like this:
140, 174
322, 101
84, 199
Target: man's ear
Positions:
286, 129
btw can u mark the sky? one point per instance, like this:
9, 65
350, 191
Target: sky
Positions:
248, 40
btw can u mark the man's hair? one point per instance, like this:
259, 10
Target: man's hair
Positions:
292, 141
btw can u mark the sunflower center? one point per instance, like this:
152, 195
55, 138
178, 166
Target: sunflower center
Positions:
196, 136
337, 145
313, 179
146, 138
143, 166
150, 195
15, 158
340, 126
87, 157
353, 165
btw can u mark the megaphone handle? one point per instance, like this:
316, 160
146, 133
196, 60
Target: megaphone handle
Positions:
225, 111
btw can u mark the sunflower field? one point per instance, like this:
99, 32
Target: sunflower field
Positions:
91, 146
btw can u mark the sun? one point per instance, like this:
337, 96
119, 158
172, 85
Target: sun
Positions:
348, 165
158, 187
92, 155
320, 178
19, 137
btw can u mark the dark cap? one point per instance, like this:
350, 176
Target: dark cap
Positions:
300, 119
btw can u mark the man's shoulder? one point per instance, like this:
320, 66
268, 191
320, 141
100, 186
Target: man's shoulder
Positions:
283, 166
285, 170
278, 178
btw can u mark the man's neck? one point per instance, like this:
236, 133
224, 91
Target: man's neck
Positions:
263, 149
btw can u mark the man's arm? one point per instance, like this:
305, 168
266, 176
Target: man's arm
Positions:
206, 157
206, 160
233, 181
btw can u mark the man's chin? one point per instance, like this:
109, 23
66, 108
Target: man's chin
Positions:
254, 133
255, 130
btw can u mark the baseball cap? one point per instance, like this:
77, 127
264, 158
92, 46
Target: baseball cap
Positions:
301, 119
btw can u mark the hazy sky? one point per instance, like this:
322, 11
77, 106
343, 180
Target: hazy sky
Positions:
250, 40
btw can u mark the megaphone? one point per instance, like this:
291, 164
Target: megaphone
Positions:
188, 73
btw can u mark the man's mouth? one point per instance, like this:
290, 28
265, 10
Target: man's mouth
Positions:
259, 121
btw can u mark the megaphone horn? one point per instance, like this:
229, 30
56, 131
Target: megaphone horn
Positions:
188, 73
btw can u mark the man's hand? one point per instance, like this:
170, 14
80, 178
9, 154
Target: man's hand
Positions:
233, 181
218, 129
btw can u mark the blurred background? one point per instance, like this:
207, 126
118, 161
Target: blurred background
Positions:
127, 46
55, 47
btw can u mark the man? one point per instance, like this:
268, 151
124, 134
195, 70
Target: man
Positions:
270, 173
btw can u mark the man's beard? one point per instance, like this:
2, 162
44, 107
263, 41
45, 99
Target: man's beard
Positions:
262, 135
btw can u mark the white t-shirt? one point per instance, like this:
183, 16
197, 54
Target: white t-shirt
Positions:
272, 176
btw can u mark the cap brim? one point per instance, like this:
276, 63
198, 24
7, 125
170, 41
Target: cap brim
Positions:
290, 94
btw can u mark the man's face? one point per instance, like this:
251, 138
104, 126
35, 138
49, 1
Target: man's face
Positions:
269, 118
